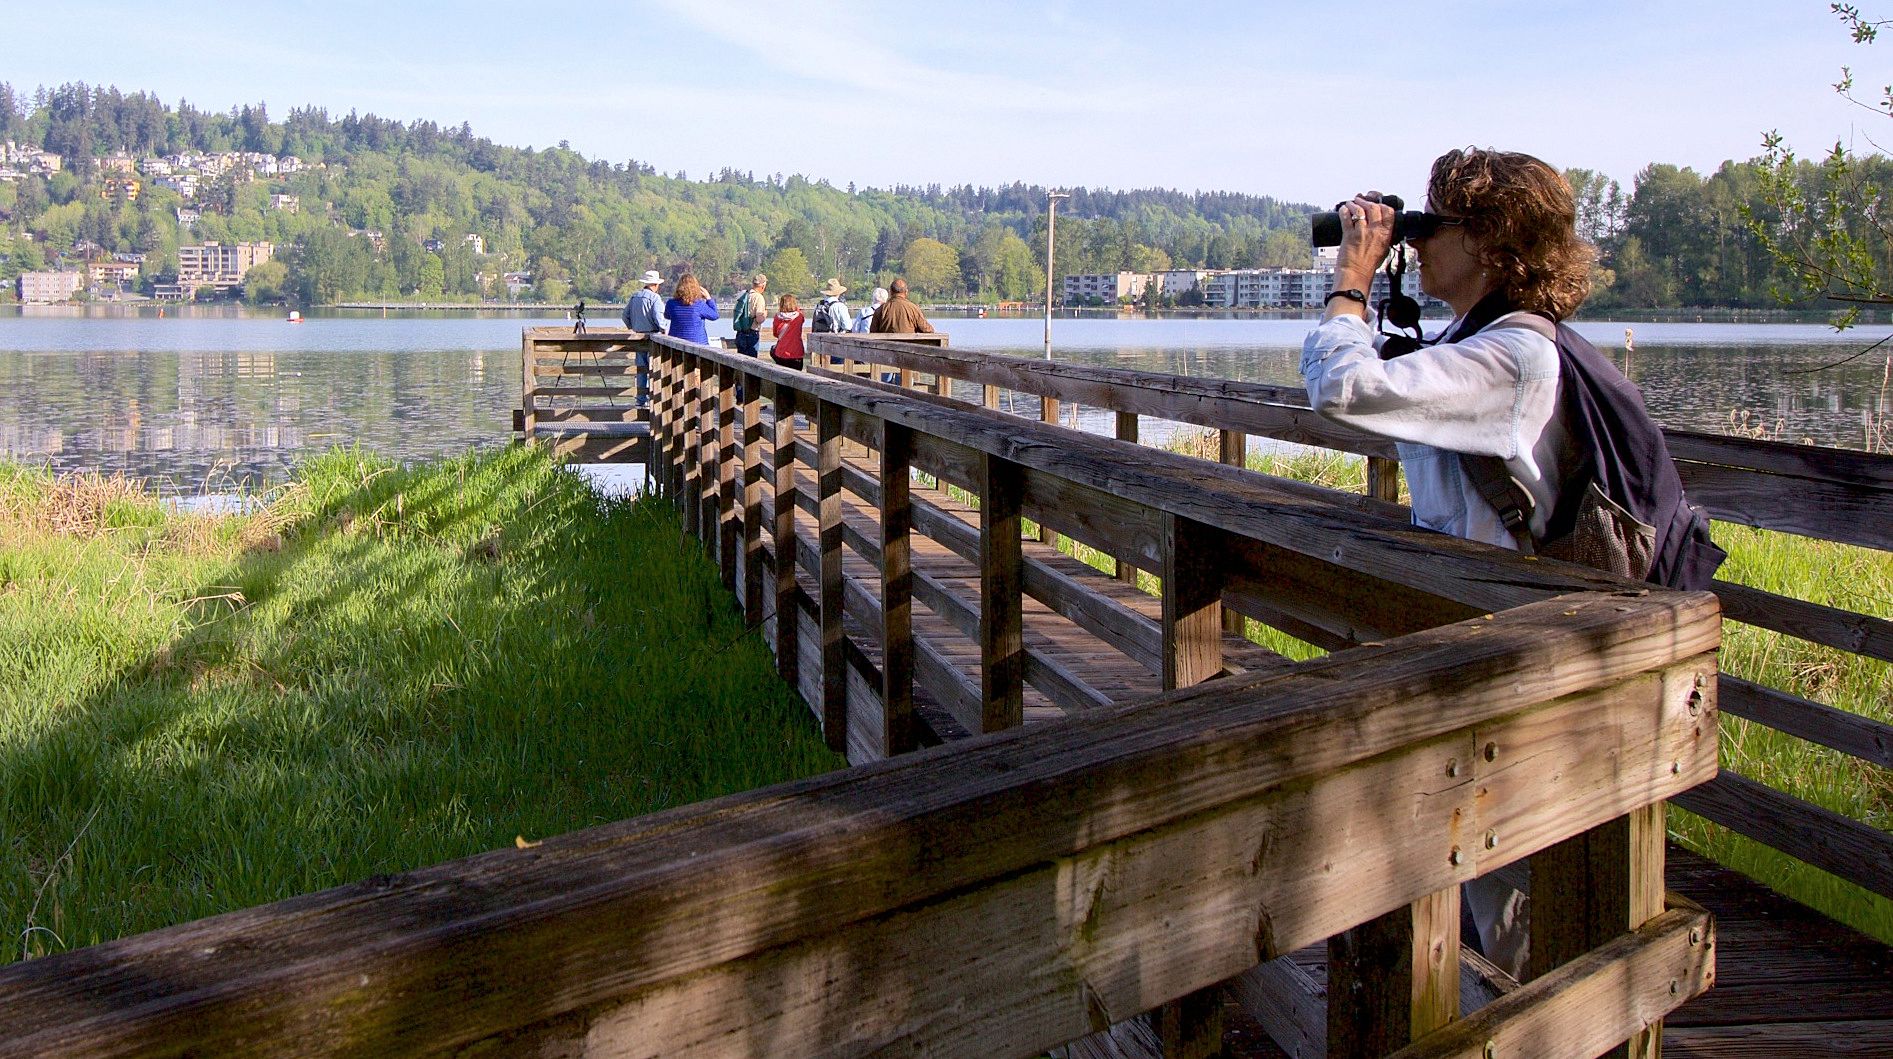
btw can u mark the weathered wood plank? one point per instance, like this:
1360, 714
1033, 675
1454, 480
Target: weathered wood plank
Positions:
1193, 570
729, 468
1860, 853
1861, 634
829, 535
1837, 1038
1849, 733
751, 519
899, 726
1812, 507
446, 956
1591, 1003
1394, 978
1001, 627
783, 530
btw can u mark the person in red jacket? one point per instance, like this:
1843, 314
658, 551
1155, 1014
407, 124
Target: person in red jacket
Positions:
788, 331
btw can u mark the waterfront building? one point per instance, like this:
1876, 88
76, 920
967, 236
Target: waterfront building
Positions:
1109, 287
1172, 282
46, 288
111, 275
1292, 288
516, 282
219, 265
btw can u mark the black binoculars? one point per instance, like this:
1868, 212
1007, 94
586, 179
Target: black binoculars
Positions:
1407, 224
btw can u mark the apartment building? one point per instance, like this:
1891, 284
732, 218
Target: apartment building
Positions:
1109, 287
286, 203
220, 265
1290, 288
46, 288
111, 275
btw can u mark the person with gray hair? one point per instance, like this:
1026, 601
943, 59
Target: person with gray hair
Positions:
751, 307
865, 318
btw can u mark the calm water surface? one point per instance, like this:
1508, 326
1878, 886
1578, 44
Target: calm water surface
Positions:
214, 398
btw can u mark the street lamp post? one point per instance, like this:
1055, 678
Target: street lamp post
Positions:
1051, 227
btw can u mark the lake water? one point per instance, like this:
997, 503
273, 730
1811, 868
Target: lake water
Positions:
204, 399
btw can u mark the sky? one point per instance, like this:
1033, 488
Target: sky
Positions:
1306, 102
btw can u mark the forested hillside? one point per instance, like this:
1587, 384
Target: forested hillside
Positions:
376, 194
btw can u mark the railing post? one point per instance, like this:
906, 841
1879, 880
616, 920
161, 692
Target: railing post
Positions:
1001, 584
1589, 889
1192, 603
653, 455
788, 609
706, 495
1233, 448
729, 518
898, 725
1394, 978
1048, 413
989, 395
690, 413
1191, 1025
1383, 478
529, 418
752, 501
1127, 431
828, 495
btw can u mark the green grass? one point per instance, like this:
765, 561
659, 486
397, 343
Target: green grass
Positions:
382, 668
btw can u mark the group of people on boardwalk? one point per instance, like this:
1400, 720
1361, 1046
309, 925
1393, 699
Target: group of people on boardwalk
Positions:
689, 306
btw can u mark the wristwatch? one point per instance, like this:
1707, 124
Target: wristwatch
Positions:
1351, 293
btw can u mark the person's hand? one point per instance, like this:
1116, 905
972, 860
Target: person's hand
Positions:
1366, 237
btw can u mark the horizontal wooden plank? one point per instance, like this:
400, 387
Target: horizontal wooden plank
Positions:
546, 393
1811, 507
1849, 466
1594, 1002
441, 957
1836, 729
1839, 1038
1857, 852
1255, 408
1845, 630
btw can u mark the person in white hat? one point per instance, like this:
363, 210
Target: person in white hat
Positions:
831, 313
644, 313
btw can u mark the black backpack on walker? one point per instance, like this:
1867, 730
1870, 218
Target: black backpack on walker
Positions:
1621, 506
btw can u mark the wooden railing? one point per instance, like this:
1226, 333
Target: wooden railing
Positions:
1828, 494
1004, 895
579, 393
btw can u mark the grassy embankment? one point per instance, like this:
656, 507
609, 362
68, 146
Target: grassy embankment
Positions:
1856, 579
381, 669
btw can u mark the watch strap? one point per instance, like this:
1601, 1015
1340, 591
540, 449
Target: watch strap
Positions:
1351, 293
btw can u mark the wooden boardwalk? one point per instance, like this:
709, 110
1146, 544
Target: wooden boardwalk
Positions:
1789, 981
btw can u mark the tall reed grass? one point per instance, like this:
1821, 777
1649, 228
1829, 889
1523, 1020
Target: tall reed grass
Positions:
377, 668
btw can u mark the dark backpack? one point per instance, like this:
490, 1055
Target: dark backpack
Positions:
1620, 507
825, 317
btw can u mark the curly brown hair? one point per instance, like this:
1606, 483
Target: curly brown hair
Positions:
688, 291
1522, 215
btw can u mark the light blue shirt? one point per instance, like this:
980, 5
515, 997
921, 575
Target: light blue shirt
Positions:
1494, 393
644, 313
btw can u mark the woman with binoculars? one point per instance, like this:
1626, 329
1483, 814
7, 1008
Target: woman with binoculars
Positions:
1498, 241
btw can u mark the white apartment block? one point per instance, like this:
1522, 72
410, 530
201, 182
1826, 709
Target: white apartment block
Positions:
475, 243
1290, 288
45, 288
1110, 287
1173, 282
286, 203
215, 264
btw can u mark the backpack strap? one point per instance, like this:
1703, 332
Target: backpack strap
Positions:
1490, 476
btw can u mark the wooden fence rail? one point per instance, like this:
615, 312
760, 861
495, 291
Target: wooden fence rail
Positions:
1222, 541
1001, 897
1828, 494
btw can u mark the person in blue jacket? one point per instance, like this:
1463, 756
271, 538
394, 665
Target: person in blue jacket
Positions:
689, 306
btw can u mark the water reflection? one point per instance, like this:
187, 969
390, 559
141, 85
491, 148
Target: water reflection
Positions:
221, 397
